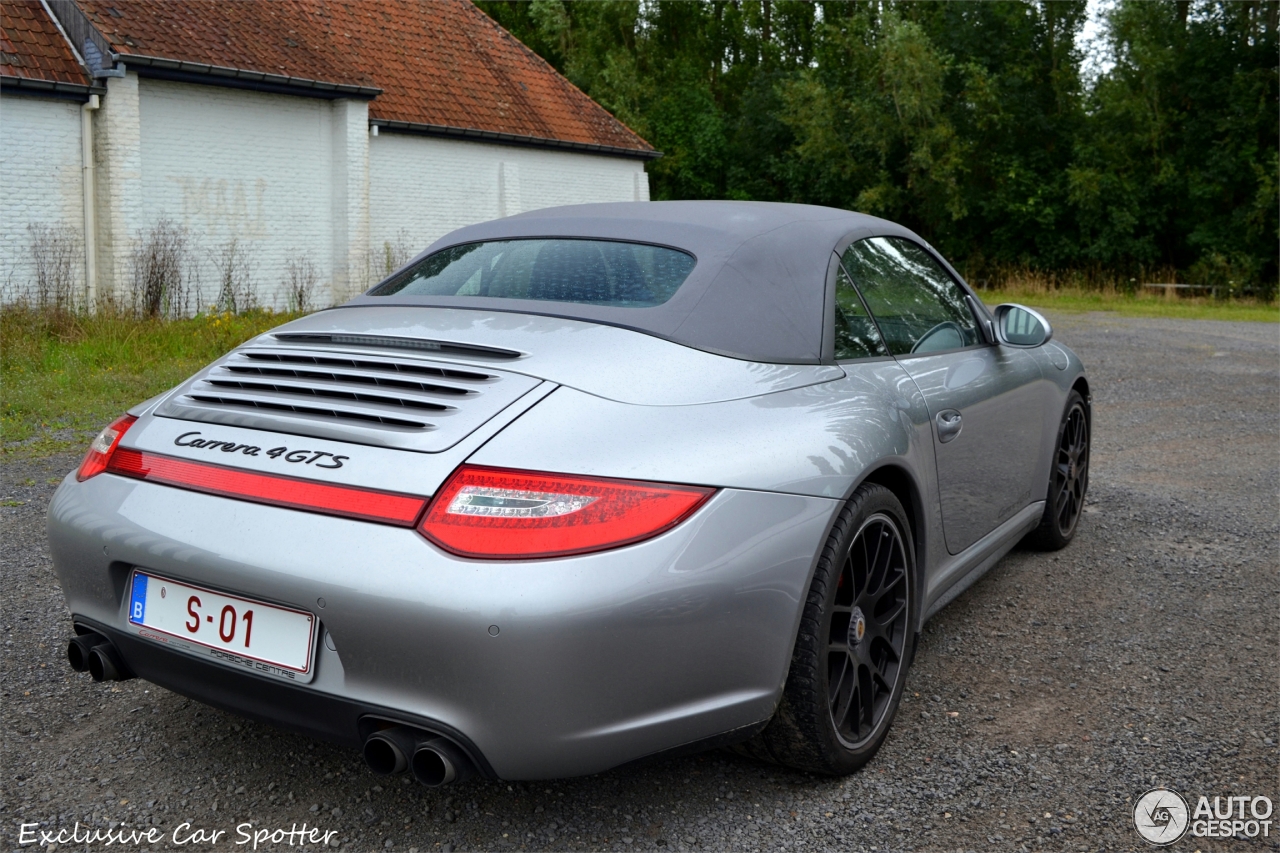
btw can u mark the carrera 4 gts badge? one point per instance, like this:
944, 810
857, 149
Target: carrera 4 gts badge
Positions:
319, 458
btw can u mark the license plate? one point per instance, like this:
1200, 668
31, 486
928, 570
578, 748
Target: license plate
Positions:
265, 638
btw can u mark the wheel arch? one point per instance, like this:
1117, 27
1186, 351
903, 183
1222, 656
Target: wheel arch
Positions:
899, 480
1081, 385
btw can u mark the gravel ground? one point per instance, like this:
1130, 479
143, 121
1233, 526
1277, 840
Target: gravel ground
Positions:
1042, 702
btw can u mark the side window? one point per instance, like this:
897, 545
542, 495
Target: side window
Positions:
856, 335
917, 305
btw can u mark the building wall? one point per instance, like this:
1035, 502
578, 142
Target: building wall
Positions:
41, 184
288, 178
232, 164
119, 214
421, 188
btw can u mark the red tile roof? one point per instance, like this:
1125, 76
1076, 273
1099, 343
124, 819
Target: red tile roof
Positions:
440, 64
32, 48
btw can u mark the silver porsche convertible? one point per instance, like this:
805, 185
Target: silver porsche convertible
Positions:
580, 487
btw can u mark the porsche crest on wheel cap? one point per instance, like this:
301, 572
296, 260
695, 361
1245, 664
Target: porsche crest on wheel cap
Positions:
857, 627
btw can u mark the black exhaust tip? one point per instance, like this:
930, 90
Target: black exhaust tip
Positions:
105, 664
440, 762
78, 648
388, 752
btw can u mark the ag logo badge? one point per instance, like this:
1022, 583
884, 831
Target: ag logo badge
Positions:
1161, 816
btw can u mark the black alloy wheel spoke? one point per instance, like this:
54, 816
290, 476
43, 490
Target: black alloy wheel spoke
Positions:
866, 704
882, 685
875, 631
1066, 507
842, 698
861, 671
886, 592
886, 622
869, 566
1071, 471
883, 556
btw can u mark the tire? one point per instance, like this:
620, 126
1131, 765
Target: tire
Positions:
1068, 480
809, 731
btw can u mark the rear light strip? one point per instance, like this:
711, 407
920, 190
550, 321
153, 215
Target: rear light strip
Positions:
479, 512
347, 501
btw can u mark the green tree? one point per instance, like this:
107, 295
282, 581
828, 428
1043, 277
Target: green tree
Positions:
1178, 167
967, 121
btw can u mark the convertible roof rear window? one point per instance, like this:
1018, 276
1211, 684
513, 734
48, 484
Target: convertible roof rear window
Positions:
758, 289
591, 272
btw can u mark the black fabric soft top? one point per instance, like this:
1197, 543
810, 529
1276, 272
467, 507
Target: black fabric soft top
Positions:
757, 292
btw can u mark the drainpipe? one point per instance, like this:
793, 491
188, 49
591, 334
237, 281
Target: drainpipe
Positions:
90, 220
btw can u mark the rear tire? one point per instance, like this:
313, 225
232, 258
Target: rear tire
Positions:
1068, 480
856, 640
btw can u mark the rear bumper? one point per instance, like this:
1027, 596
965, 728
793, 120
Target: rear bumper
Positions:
315, 713
598, 660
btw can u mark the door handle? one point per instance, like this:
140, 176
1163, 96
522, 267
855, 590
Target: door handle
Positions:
949, 423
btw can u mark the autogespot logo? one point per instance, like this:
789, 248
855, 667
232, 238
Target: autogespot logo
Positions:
1161, 816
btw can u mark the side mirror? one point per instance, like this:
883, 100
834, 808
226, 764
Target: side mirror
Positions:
1019, 326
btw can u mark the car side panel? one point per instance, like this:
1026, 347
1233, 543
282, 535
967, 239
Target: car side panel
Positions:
1061, 369
816, 440
987, 472
823, 440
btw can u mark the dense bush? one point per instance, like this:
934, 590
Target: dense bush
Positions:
968, 121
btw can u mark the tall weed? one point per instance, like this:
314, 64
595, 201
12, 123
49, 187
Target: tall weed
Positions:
74, 372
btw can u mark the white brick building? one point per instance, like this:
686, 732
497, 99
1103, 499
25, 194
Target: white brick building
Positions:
348, 135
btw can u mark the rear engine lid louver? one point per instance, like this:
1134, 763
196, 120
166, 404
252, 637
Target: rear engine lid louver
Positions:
388, 401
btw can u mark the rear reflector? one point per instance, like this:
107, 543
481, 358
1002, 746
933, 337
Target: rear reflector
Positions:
495, 513
348, 501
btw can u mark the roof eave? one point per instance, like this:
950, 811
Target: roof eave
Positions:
475, 134
221, 74
35, 86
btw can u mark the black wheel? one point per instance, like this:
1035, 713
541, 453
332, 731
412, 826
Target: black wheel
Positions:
1068, 480
856, 639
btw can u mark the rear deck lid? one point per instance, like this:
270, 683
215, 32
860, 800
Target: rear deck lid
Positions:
618, 364
312, 385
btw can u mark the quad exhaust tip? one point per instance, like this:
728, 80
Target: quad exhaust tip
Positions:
387, 752
433, 760
93, 653
78, 649
439, 762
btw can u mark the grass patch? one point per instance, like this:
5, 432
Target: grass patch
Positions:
65, 376
1137, 305
1079, 291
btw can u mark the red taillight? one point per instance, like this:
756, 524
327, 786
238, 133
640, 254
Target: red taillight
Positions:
350, 501
496, 513
95, 461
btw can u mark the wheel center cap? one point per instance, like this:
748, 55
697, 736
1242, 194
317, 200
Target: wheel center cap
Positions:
857, 627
